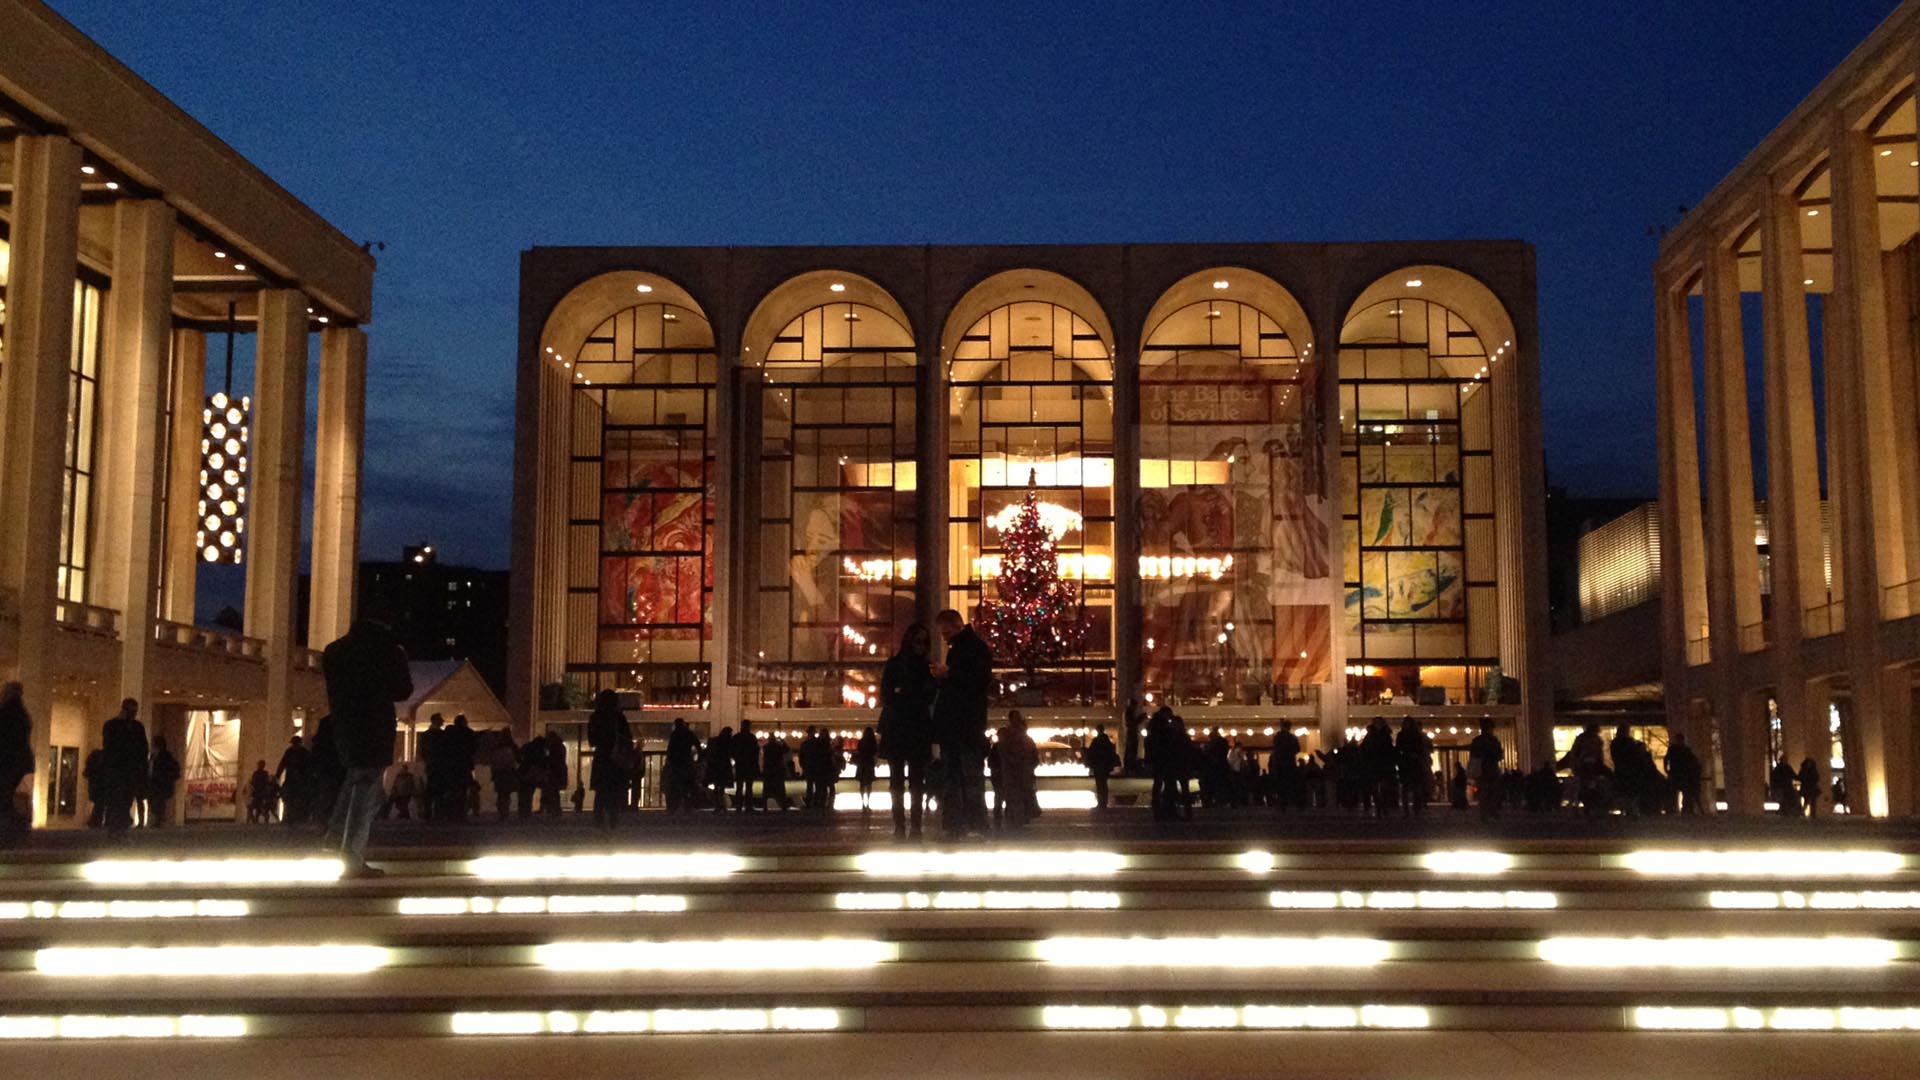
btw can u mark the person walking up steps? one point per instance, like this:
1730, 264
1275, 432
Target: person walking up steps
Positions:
366, 673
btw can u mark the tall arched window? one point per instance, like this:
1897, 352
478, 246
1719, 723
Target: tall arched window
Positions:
1234, 553
830, 485
640, 510
1031, 401
1421, 560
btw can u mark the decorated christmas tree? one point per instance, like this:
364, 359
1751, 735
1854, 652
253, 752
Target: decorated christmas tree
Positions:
1037, 618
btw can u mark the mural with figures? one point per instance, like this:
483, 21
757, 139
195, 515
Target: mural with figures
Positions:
657, 573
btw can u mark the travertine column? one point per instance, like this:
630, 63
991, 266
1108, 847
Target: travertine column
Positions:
1793, 466
1126, 517
1733, 583
1683, 559
1871, 518
723, 697
273, 520
338, 444
1325, 366
188, 379
930, 482
43, 224
1520, 526
133, 392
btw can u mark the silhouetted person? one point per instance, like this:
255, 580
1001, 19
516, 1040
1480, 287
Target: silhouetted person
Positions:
1379, 762
1135, 726
1101, 759
773, 772
366, 672
1587, 760
1783, 783
960, 723
611, 738
906, 720
260, 794
1484, 755
16, 760
1684, 773
865, 754
163, 779
328, 773
719, 768
1809, 782
1413, 758
1161, 763
553, 778
457, 745
1013, 782
533, 774
746, 766
433, 761
1283, 768
123, 763
294, 776
679, 776
503, 773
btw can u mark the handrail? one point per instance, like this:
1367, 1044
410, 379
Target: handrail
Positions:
1824, 619
1699, 651
1897, 601
305, 659
207, 639
1755, 637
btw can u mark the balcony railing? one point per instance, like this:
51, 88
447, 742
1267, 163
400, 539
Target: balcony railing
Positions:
1824, 619
1755, 637
1698, 651
86, 618
203, 639
1900, 601
306, 659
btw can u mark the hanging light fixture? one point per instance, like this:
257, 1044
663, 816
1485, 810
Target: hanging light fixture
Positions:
224, 434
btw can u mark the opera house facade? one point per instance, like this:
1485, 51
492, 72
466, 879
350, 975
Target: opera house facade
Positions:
1292, 483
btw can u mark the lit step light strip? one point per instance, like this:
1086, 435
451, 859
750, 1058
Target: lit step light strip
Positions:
1467, 862
122, 1027
1212, 952
1739, 1018
1256, 862
645, 1021
1867, 900
1076, 900
1231, 1017
540, 905
740, 954
1425, 900
624, 866
212, 871
1727, 952
1774, 863
123, 909
202, 961
990, 863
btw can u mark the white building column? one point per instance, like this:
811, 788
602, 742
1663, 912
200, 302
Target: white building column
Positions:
1793, 467
181, 552
1733, 573
273, 519
338, 443
1326, 367
1872, 519
723, 698
132, 431
1127, 654
44, 225
1683, 559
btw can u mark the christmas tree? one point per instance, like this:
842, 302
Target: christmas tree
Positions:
1037, 617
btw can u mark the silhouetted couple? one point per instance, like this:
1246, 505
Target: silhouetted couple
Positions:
925, 705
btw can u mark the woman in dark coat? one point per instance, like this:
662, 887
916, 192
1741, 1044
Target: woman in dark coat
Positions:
864, 755
611, 738
906, 736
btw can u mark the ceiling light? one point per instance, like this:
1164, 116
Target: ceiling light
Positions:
1886, 153
219, 254
1809, 281
670, 316
113, 185
836, 287
87, 169
1221, 284
643, 288
239, 266
323, 318
1413, 283
1813, 213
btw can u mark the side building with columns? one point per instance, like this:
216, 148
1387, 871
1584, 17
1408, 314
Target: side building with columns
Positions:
1295, 484
129, 234
1800, 271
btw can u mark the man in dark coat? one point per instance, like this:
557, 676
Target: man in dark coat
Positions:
1101, 758
16, 758
294, 776
366, 674
123, 764
906, 701
960, 723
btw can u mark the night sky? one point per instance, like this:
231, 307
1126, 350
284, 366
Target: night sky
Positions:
461, 134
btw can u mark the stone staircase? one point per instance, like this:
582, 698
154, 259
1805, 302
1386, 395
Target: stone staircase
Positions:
1363, 959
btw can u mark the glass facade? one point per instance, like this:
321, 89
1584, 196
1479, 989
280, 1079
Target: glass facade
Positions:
640, 506
1235, 560
1031, 402
831, 483
1417, 505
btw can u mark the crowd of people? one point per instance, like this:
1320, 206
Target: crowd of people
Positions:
932, 736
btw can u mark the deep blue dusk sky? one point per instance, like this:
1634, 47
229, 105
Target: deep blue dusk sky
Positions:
461, 134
